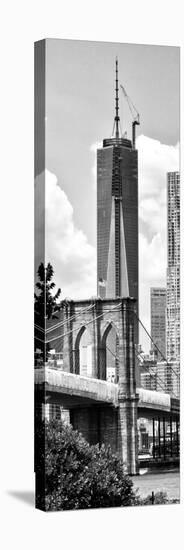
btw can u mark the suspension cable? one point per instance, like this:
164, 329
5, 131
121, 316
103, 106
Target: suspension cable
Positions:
155, 345
158, 377
62, 323
145, 366
77, 328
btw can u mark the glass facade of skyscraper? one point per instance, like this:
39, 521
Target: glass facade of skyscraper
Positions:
173, 267
117, 219
158, 321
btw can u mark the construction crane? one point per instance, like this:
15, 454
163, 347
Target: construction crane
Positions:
134, 113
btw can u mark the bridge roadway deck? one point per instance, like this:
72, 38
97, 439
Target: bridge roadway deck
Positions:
77, 389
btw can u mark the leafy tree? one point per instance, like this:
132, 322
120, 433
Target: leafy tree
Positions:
45, 306
77, 475
45, 302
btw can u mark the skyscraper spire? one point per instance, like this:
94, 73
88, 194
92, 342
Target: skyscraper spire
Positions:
117, 119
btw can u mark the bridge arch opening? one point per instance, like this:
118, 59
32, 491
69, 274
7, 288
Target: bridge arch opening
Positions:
109, 355
83, 353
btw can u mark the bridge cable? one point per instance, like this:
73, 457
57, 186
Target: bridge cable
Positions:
151, 374
61, 323
157, 377
77, 328
155, 345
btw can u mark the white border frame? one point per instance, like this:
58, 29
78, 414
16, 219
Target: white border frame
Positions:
142, 22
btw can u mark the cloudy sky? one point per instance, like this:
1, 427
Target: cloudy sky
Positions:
79, 114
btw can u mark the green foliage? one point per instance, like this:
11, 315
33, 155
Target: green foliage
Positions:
78, 475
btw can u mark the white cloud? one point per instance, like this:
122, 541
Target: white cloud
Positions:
152, 259
93, 149
95, 146
152, 216
67, 247
39, 222
155, 160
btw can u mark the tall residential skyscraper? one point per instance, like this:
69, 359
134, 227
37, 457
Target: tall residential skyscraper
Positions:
117, 213
173, 267
158, 320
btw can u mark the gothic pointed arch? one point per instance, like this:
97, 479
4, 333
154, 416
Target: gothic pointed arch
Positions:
82, 352
108, 353
106, 329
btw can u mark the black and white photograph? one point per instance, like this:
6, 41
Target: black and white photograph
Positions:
107, 275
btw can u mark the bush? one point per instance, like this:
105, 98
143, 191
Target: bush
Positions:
78, 475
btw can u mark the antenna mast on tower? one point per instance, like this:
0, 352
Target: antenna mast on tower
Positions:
117, 119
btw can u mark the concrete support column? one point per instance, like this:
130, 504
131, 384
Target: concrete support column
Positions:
128, 435
128, 400
133, 437
122, 434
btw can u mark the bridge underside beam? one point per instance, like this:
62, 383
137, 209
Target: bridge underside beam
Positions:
144, 412
71, 402
73, 398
